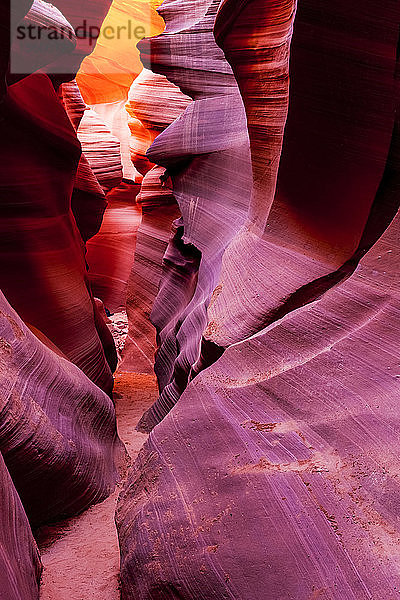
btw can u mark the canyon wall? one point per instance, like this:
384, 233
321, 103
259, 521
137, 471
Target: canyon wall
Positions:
58, 439
238, 197
274, 473
206, 154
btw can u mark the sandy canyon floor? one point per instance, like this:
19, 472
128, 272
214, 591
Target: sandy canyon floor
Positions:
81, 555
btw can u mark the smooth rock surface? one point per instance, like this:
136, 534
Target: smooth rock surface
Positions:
20, 565
57, 429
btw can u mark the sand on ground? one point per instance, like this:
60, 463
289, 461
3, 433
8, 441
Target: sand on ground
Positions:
81, 555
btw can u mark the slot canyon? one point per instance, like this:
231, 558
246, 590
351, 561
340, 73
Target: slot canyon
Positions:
200, 300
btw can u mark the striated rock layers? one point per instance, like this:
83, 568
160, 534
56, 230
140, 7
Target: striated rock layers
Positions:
154, 103
58, 438
294, 234
42, 267
206, 153
57, 429
275, 474
337, 137
20, 566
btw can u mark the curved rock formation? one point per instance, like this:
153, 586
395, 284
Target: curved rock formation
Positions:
20, 566
278, 237
159, 209
107, 74
275, 475
57, 429
154, 103
101, 148
42, 270
206, 153
88, 200
336, 142
110, 253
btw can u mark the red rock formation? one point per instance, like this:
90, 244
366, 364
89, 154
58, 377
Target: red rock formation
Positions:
57, 429
280, 461
19, 557
336, 142
110, 253
101, 149
42, 270
206, 152
88, 200
154, 103
159, 210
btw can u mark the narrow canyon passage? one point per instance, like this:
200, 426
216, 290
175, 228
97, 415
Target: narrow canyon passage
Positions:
199, 258
80, 556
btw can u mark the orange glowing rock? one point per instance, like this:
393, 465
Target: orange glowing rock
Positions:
107, 74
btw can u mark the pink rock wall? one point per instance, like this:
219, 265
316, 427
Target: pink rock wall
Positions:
323, 194
154, 103
206, 153
19, 557
275, 475
57, 428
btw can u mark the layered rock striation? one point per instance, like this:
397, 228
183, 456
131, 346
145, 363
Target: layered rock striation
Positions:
265, 480
206, 153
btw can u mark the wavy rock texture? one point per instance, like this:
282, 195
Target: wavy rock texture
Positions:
271, 449
335, 146
158, 209
101, 148
20, 566
42, 270
287, 249
88, 201
57, 429
206, 152
115, 118
110, 253
154, 103
107, 74
103, 204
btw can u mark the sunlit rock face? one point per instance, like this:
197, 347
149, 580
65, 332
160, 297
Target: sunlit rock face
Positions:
57, 429
19, 557
153, 104
88, 199
107, 74
271, 449
105, 79
206, 153
266, 464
